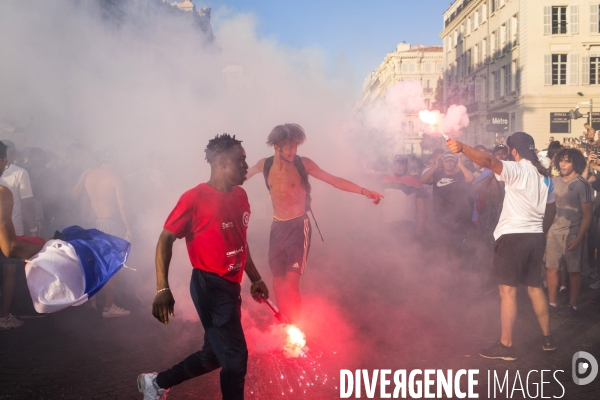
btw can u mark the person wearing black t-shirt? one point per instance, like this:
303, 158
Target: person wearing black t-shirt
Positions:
452, 204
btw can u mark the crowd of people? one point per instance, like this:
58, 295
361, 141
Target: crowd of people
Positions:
461, 203
533, 221
50, 193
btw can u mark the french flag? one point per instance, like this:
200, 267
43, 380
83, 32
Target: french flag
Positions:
70, 270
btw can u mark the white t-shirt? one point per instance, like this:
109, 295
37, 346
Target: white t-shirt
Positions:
527, 193
17, 180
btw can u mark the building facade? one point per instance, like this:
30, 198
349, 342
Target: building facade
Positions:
423, 64
521, 65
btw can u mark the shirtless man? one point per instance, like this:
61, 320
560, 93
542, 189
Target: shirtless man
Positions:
290, 194
105, 189
9, 244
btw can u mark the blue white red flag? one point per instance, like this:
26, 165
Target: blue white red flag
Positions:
70, 270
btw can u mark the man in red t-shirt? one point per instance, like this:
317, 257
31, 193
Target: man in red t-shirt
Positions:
213, 218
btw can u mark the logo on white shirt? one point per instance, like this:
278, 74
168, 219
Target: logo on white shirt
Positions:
445, 182
235, 252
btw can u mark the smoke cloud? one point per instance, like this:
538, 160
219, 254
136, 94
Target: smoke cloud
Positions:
151, 81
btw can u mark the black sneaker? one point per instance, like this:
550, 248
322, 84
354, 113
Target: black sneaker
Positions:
499, 352
548, 343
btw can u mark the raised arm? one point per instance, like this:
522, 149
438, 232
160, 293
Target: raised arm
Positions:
10, 245
339, 183
482, 158
255, 169
427, 177
469, 177
164, 303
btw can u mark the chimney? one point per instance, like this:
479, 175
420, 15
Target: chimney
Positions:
403, 46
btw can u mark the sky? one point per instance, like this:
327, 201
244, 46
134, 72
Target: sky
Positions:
352, 34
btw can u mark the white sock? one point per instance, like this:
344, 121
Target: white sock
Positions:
562, 288
574, 308
554, 304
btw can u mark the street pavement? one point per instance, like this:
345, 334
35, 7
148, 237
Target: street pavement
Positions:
408, 322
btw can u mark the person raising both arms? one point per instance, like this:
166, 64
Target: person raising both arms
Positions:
286, 176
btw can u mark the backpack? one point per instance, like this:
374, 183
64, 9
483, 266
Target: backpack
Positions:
303, 174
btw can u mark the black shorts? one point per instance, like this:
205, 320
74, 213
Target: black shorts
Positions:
518, 259
289, 245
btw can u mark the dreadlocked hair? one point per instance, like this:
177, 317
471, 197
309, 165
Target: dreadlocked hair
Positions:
572, 155
219, 145
286, 133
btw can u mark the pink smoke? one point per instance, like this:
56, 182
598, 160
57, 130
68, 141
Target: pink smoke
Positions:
455, 120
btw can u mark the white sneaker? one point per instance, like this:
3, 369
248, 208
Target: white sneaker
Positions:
10, 322
148, 387
114, 312
595, 285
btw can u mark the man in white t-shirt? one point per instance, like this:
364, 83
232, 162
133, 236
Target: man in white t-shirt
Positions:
16, 179
527, 214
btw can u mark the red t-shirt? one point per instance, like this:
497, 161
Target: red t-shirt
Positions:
214, 225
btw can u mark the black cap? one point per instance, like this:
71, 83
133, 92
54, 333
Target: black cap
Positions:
498, 147
524, 144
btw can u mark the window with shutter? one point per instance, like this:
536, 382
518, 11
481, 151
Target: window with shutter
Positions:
574, 19
594, 69
559, 20
497, 45
515, 29
513, 76
594, 18
508, 39
585, 70
559, 69
547, 69
486, 50
547, 20
507, 80
478, 94
573, 69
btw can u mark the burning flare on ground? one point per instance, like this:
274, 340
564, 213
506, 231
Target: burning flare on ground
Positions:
295, 342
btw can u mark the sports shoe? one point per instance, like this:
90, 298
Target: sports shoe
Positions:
595, 285
548, 343
498, 351
148, 387
10, 322
114, 312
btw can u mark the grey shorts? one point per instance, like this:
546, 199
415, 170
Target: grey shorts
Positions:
289, 244
557, 256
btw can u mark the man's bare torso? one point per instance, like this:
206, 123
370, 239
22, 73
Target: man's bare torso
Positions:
101, 187
288, 193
